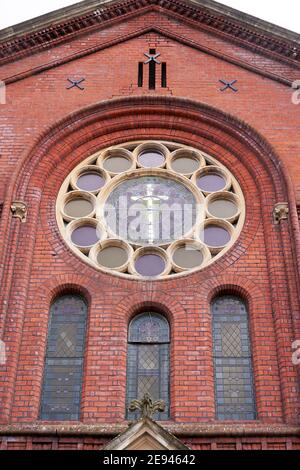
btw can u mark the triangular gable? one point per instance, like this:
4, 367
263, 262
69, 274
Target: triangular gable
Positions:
146, 434
147, 25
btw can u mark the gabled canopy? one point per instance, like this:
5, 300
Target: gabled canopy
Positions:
146, 434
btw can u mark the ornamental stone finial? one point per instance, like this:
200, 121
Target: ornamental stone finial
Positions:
147, 406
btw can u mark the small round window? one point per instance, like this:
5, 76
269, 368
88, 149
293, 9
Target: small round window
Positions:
150, 210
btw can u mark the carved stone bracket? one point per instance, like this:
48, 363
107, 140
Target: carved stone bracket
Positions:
281, 212
19, 210
147, 406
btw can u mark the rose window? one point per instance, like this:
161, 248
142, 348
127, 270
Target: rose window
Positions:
150, 210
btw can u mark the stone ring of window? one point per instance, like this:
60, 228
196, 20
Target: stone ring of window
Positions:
150, 210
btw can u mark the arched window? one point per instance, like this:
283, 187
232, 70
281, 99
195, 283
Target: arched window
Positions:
148, 361
234, 388
61, 394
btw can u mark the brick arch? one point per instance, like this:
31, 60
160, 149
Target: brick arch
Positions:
116, 117
113, 121
238, 285
132, 305
125, 110
48, 292
74, 138
61, 285
177, 113
161, 302
260, 314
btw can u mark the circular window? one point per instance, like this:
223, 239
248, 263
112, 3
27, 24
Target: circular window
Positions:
150, 210
150, 265
151, 158
90, 182
143, 200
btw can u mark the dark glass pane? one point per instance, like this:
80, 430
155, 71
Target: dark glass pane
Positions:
61, 394
90, 182
85, 235
112, 257
117, 164
151, 158
213, 235
232, 360
78, 208
149, 357
152, 75
164, 75
185, 164
148, 364
188, 257
148, 384
150, 265
222, 208
167, 210
211, 182
62, 390
140, 74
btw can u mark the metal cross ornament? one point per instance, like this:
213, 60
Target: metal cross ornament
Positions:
228, 85
76, 84
152, 58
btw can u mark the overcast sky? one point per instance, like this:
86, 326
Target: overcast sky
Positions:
285, 14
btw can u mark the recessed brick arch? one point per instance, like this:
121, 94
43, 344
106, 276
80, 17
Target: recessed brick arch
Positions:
236, 285
60, 285
122, 114
39, 306
38, 177
132, 305
177, 316
113, 121
260, 312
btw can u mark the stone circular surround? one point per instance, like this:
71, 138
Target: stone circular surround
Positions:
150, 210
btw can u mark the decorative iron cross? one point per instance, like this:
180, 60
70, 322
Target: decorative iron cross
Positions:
75, 84
228, 85
146, 406
152, 58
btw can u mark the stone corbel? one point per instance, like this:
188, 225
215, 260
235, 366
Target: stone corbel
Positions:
19, 210
281, 212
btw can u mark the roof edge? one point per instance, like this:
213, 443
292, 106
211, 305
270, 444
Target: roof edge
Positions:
249, 20
54, 17
52, 28
86, 6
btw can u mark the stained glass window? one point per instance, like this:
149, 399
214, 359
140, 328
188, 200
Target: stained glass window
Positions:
153, 197
234, 388
152, 200
61, 394
148, 361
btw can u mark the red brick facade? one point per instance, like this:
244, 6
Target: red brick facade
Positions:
46, 130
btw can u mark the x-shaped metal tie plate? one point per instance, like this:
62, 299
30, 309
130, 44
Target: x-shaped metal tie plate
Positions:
76, 84
229, 85
152, 58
